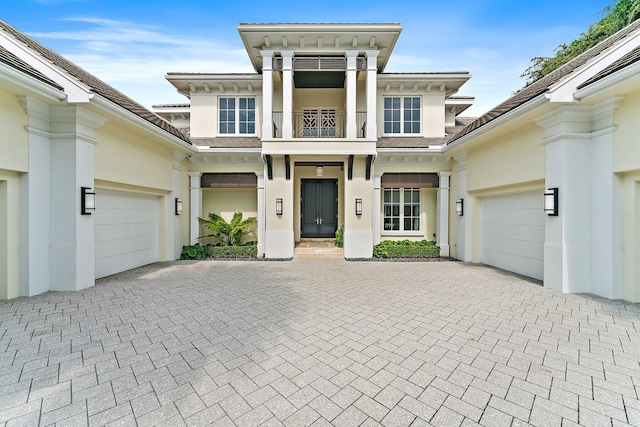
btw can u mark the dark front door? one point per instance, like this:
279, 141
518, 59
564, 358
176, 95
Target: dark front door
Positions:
319, 207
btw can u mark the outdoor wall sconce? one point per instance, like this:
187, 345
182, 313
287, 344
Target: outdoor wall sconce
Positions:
178, 206
87, 200
358, 207
551, 201
319, 170
460, 207
278, 206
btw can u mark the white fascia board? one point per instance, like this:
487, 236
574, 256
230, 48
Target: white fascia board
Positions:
172, 110
209, 150
76, 91
30, 83
609, 82
495, 123
436, 149
440, 77
214, 77
564, 90
134, 119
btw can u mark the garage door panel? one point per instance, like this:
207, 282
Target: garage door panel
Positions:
127, 230
107, 232
512, 232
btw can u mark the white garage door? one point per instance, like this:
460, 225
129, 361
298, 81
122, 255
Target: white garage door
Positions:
512, 233
127, 228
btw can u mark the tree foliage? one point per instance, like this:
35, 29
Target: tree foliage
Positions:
617, 17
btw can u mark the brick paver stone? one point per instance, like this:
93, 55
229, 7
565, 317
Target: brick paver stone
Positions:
318, 342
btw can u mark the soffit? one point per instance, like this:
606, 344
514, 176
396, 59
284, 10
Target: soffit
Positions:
319, 39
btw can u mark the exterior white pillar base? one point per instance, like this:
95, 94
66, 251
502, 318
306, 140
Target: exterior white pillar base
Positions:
279, 244
261, 215
358, 244
195, 206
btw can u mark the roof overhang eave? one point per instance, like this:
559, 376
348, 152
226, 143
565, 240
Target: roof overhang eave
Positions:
608, 82
33, 84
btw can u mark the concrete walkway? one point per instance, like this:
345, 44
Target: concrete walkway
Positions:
318, 342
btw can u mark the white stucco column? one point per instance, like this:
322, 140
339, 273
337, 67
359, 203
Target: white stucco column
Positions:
583, 244
261, 214
267, 93
442, 238
72, 250
352, 126
287, 94
372, 76
35, 202
464, 221
195, 206
377, 207
174, 246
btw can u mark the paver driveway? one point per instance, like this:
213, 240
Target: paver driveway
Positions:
318, 342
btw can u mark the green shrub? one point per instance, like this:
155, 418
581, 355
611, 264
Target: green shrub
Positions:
339, 242
244, 251
380, 251
406, 249
192, 252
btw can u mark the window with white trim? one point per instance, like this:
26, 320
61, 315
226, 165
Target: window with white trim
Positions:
402, 115
401, 209
236, 115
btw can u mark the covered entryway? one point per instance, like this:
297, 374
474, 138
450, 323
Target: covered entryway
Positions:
512, 232
319, 208
127, 230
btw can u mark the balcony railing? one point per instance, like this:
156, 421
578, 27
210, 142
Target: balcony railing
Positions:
319, 124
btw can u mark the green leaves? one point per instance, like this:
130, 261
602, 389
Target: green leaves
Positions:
228, 233
623, 13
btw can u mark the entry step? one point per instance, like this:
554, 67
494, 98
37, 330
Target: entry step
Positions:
317, 248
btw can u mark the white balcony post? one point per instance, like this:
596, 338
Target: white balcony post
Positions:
372, 75
287, 94
267, 93
352, 56
195, 210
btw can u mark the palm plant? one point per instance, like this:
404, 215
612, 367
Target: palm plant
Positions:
228, 233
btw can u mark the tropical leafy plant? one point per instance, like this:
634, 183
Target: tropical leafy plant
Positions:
228, 233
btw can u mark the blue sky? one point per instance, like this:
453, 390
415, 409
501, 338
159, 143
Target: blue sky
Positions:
133, 44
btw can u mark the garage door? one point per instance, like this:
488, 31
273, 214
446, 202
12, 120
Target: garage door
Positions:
127, 228
512, 233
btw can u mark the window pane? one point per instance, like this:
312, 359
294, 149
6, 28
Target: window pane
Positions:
395, 210
251, 128
251, 103
396, 224
396, 196
396, 128
407, 224
243, 127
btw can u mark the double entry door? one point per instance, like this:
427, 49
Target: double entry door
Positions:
319, 208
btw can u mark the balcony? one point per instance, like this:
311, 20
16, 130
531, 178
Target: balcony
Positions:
319, 124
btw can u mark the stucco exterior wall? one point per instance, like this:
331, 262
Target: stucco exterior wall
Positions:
512, 159
626, 149
204, 115
125, 157
631, 237
319, 99
14, 144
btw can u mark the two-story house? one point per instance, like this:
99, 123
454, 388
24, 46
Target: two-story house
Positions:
320, 137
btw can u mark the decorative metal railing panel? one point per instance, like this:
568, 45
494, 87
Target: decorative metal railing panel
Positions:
326, 123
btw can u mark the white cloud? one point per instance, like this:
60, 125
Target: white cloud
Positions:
134, 58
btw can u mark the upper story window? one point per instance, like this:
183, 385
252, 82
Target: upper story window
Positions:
237, 116
402, 115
